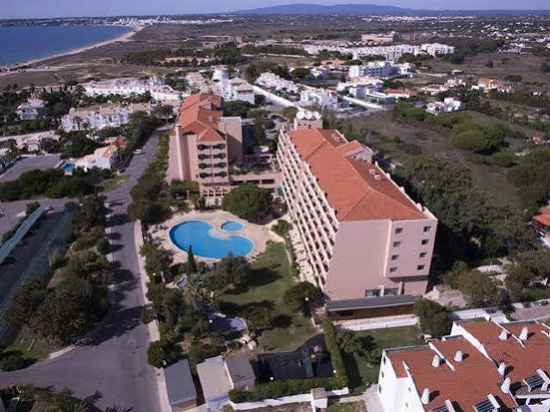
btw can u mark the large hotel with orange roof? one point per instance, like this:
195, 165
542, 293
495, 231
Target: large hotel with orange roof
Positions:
483, 366
364, 241
205, 147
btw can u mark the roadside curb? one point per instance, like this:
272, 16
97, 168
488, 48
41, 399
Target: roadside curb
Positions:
60, 352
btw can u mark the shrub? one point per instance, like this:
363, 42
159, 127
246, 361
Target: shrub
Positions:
335, 354
282, 227
103, 246
434, 318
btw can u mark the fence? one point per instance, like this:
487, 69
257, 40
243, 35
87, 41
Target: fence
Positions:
285, 400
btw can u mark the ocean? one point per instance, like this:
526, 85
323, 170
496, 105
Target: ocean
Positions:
21, 44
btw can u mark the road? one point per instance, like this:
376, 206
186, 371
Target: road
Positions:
113, 363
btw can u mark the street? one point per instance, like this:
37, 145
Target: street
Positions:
113, 364
29, 163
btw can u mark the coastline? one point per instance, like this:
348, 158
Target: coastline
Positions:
122, 38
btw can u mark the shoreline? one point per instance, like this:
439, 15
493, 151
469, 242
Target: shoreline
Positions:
122, 38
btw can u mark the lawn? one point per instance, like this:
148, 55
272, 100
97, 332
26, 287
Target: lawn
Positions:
269, 280
111, 184
361, 373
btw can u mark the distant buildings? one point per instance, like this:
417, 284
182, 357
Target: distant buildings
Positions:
131, 86
100, 117
378, 38
483, 366
31, 109
487, 85
235, 89
323, 98
381, 69
448, 105
360, 237
274, 82
387, 52
207, 147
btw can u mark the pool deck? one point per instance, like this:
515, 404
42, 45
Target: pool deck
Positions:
259, 235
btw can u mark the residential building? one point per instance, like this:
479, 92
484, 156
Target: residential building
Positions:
323, 98
32, 141
381, 69
487, 85
482, 366
106, 157
378, 38
218, 376
207, 147
196, 81
306, 119
448, 105
235, 90
127, 87
182, 394
100, 117
437, 49
31, 109
360, 237
272, 81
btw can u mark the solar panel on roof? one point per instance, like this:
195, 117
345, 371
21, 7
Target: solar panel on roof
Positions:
485, 406
534, 382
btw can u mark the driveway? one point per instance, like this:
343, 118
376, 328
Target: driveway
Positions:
113, 364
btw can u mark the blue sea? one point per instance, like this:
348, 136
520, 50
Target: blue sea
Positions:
21, 44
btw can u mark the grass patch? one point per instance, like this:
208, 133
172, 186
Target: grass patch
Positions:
361, 373
31, 345
335, 406
111, 184
270, 279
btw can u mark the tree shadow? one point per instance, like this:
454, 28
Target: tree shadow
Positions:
255, 278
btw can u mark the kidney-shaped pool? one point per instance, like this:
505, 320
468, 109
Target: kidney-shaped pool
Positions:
206, 242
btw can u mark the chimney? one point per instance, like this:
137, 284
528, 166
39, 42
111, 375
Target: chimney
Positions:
502, 368
503, 335
425, 396
505, 387
436, 361
459, 356
524, 334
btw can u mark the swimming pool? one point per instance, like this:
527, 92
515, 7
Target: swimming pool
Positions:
206, 243
232, 226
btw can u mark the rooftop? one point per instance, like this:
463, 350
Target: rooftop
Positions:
200, 115
179, 383
357, 189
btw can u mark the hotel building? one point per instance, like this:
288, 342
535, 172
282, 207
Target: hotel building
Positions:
483, 366
368, 245
207, 147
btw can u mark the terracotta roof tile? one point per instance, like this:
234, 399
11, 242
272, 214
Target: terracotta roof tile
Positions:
200, 114
356, 189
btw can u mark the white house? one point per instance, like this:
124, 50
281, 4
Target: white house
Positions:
30, 110
323, 98
100, 117
235, 90
127, 87
448, 105
272, 81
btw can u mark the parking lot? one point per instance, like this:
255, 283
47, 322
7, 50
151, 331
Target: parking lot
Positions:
29, 163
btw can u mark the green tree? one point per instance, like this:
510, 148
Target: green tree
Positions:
191, 264
162, 353
479, 288
248, 202
301, 295
24, 304
434, 318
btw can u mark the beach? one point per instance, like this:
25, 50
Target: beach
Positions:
122, 38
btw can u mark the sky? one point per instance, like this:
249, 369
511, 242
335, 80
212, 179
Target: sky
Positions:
68, 8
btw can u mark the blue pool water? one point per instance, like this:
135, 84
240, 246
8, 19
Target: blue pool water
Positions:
69, 168
199, 235
232, 226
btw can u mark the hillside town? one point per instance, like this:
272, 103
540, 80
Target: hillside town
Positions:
285, 220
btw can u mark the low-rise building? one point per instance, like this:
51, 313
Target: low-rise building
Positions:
182, 394
100, 117
323, 98
448, 105
31, 109
235, 89
275, 82
487, 85
127, 87
482, 366
381, 69
437, 49
378, 38
218, 376
106, 157
361, 238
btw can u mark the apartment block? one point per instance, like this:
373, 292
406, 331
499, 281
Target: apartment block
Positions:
483, 366
367, 244
207, 147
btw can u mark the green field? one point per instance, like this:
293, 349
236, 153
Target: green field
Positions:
270, 279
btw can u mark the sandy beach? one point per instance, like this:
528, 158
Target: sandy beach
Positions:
123, 38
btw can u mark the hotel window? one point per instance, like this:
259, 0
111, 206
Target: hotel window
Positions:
393, 269
420, 267
398, 230
395, 257
379, 388
425, 241
423, 254
396, 244
427, 229
372, 293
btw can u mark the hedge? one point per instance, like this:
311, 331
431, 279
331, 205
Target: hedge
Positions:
291, 387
